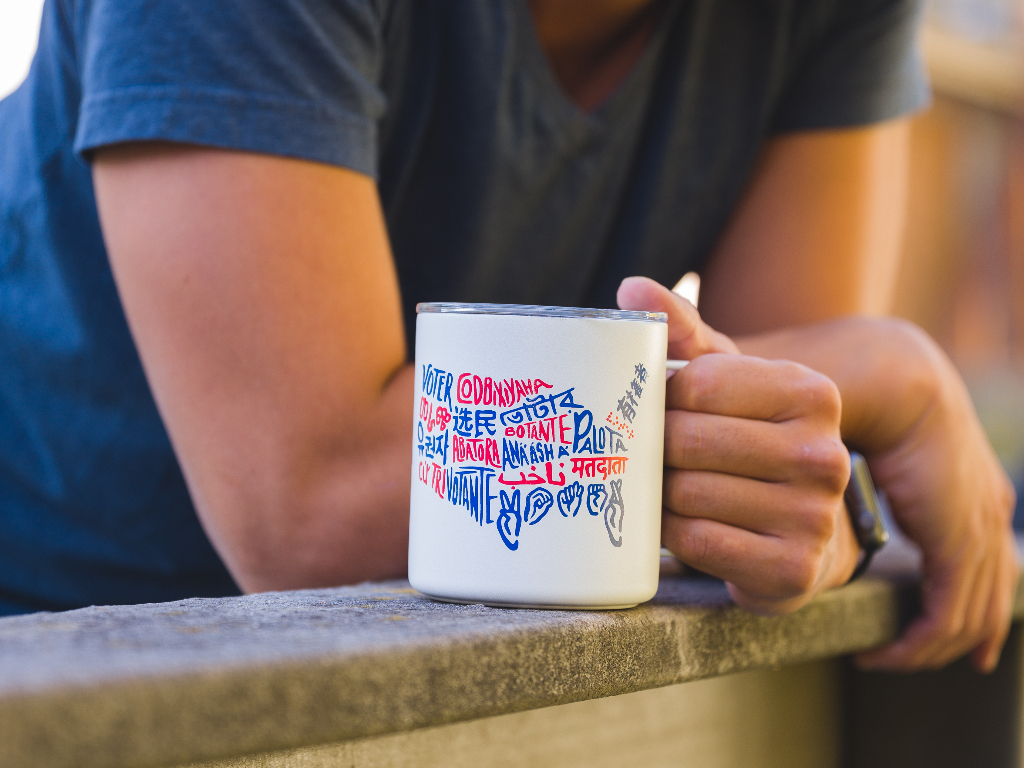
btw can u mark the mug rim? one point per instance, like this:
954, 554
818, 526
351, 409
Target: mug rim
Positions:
537, 310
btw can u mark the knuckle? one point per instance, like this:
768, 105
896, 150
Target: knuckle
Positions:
799, 573
675, 438
817, 517
697, 544
700, 384
827, 461
818, 392
826, 524
681, 492
832, 401
692, 443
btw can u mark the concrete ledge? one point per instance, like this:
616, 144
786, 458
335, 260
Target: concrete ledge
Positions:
172, 683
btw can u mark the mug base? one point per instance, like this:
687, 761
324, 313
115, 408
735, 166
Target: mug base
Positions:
533, 606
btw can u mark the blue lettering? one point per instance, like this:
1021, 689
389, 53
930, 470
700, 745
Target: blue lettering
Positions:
513, 455
485, 423
470, 487
580, 431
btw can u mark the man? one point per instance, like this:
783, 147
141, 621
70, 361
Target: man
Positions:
276, 184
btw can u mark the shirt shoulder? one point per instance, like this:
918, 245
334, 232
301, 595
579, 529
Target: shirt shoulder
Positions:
289, 77
851, 62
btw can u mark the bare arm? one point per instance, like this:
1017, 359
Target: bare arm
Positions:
809, 255
906, 408
817, 234
816, 238
262, 297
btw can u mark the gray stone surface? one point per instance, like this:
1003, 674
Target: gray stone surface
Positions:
172, 683
787, 718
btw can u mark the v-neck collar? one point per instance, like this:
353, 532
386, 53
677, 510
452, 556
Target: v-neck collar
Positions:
633, 87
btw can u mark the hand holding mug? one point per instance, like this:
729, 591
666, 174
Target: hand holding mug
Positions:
754, 471
755, 467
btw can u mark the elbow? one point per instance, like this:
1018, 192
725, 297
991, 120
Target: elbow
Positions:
310, 529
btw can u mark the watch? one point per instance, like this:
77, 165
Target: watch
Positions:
865, 507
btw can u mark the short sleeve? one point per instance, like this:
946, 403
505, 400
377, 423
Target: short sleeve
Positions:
855, 62
289, 77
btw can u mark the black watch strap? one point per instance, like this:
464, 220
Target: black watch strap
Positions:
864, 504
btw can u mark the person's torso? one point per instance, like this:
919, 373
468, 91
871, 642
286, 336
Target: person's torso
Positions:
495, 187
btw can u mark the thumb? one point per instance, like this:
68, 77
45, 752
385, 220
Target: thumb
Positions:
688, 335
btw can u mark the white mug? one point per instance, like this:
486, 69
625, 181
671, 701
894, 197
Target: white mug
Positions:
537, 455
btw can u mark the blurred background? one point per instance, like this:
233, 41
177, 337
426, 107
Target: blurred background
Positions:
19, 31
962, 276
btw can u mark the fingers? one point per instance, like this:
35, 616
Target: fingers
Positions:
703, 441
774, 509
961, 631
944, 600
966, 605
755, 476
752, 388
985, 657
979, 605
791, 452
688, 335
769, 574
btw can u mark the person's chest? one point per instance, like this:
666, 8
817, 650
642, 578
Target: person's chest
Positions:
497, 187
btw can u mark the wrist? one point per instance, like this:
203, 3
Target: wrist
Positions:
889, 372
894, 379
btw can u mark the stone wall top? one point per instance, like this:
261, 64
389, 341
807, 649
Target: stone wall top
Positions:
170, 683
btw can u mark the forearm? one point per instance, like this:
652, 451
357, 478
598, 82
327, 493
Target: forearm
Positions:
319, 513
907, 408
889, 372
263, 301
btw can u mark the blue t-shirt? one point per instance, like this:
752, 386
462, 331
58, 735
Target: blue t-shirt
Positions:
495, 187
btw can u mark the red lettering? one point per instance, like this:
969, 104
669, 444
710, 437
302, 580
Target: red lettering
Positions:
438, 481
442, 417
488, 391
520, 431
478, 390
491, 457
546, 428
529, 387
537, 384
464, 389
562, 429
473, 449
510, 431
520, 392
